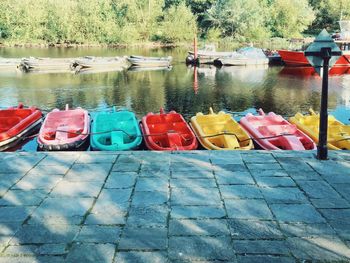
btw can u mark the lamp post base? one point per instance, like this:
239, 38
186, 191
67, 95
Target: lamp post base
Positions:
322, 152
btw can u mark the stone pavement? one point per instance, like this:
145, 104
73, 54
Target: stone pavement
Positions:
200, 206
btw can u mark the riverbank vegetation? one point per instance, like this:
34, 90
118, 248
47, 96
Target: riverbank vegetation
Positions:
165, 21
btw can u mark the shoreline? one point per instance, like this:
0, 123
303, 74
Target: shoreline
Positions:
90, 45
273, 43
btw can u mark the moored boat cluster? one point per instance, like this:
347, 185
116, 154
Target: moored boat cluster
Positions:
242, 57
117, 130
83, 64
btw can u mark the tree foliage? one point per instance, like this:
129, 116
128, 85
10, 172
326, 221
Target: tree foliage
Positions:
240, 19
328, 13
179, 24
291, 18
170, 21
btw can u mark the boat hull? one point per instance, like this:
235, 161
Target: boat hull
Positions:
240, 62
297, 58
207, 57
104, 64
46, 64
139, 61
156, 68
15, 123
9, 64
22, 136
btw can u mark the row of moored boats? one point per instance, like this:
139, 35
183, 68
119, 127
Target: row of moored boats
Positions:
87, 63
116, 130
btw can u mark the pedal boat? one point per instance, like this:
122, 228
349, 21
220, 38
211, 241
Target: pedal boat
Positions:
273, 132
115, 131
16, 123
338, 133
219, 131
167, 132
64, 130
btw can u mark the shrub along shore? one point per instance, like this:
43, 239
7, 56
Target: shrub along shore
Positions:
223, 44
87, 45
168, 22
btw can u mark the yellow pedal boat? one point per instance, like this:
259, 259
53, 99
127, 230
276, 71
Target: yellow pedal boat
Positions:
338, 133
220, 132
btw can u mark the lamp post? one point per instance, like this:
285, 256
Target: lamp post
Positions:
322, 55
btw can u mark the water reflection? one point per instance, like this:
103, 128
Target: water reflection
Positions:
251, 74
207, 71
301, 72
184, 89
138, 69
309, 72
149, 90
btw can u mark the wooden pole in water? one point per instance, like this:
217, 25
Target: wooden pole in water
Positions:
195, 48
195, 79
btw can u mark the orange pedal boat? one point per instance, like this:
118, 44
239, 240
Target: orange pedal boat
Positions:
167, 132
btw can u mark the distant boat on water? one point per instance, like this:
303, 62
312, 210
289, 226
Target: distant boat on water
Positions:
141, 61
297, 57
207, 55
244, 57
99, 64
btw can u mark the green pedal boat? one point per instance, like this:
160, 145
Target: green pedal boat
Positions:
115, 131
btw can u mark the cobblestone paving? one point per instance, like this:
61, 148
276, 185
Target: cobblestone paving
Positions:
200, 206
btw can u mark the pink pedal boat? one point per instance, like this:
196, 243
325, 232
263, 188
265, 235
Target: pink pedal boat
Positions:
273, 132
64, 130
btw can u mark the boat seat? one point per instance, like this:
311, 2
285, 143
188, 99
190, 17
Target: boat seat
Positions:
62, 133
230, 142
117, 137
292, 143
275, 130
8, 122
174, 139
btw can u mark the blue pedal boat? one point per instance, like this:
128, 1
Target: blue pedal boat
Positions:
115, 131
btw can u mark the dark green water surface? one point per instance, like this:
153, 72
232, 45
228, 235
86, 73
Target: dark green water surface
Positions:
282, 90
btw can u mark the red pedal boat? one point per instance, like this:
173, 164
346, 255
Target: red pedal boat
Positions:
167, 132
16, 123
272, 132
64, 130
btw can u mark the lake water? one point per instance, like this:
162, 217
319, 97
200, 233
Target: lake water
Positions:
282, 90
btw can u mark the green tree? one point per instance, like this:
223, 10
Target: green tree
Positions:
328, 13
199, 8
59, 23
141, 17
241, 19
131, 21
22, 20
170, 3
179, 24
290, 18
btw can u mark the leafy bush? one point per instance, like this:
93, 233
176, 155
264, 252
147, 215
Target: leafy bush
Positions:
179, 24
242, 19
169, 21
291, 18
